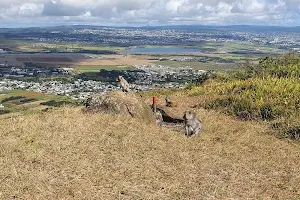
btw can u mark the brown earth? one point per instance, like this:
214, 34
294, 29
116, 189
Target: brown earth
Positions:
118, 60
42, 59
75, 59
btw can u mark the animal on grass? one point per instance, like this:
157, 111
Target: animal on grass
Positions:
124, 84
192, 124
169, 102
158, 118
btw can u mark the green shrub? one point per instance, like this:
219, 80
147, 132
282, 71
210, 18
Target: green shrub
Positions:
204, 77
12, 98
28, 100
55, 103
2, 112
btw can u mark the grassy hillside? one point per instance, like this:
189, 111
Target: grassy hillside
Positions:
268, 91
65, 154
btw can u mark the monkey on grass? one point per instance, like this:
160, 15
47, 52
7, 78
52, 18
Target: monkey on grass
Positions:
158, 118
192, 124
124, 84
169, 102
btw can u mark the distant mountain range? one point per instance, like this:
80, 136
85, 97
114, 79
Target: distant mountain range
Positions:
181, 27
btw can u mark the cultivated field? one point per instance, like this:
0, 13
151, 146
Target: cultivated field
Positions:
19, 59
118, 60
78, 61
97, 68
19, 102
44, 59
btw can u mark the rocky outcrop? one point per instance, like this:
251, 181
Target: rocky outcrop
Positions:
118, 102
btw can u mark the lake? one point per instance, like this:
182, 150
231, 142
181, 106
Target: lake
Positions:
160, 50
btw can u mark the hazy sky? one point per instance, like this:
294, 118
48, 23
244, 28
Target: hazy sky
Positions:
15, 13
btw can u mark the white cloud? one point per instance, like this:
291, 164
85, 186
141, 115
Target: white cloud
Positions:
31, 9
253, 6
143, 12
173, 6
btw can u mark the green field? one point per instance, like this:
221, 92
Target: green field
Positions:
5, 94
199, 65
215, 47
235, 46
219, 56
30, 46
97, 68
21, 101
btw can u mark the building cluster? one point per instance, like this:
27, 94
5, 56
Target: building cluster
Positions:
77, 90
178, 59
166, 36
145, 78
146, 75
8, 71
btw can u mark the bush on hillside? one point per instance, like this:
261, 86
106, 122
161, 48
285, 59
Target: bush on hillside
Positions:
204, 77
2, 112
271, 98
269, 91
27, 100
286, 66
12, 98
55, 103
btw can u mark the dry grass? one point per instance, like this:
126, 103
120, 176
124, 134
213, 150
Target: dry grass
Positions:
64, 154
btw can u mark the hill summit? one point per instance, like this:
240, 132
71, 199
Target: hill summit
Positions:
66, 154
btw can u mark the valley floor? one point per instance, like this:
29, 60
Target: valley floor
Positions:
65, 154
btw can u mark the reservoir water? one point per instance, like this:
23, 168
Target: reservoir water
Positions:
141, 50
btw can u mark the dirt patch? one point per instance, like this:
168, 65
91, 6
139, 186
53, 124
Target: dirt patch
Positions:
44, 59
23, 59
118, 60
77, 59
51, 59
9, 115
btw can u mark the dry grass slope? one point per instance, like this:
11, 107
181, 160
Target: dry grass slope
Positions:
64, 154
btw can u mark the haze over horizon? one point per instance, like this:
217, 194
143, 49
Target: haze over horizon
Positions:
16, 13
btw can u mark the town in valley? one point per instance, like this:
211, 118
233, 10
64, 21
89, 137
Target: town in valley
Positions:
80, 61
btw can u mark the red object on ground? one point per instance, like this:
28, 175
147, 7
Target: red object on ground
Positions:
154, 100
